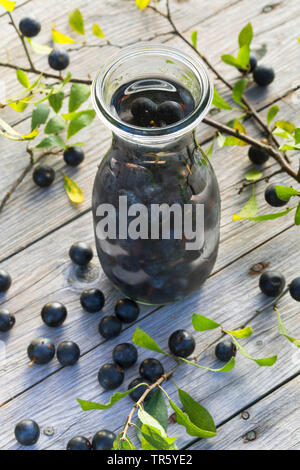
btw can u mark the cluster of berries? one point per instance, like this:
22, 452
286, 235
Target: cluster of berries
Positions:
146, 112
262, 75
272, 284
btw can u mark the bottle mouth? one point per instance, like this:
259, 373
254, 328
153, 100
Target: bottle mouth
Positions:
152, 60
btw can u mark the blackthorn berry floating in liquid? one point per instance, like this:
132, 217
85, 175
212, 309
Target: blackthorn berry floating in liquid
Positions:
103, 440
92, 300
81, 253
58, 59
29, 27
263, 76
169, 112
136, 394
295, 289
43, 176
271, 283
110, 376
73, 156
68, 353
41, 351
144, 110
127, 310
125, 355
272, 198
151, 369
5, 280
7, 320
257, 156
225, 351
110, 326
181, 343
54, 314
27, 432
79, 443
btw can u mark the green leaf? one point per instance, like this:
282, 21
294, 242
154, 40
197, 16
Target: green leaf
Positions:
73, 190
39, 115
264, 362
55, 125
8, 5
117, 396
11, 134
250, 208
157, 408
194, 38
97, 31
230, 60
243, 333
283, 331
142, 4
209, 151
197, 414
76, 21
246, 35
191, 428
22, 78
20, 105
142, 339
282, 133
79, 94
153, 440
253, 175
238, 91
39, 48
218, 101
297, 135
262, 218
81, 120
243, 57
120, 444
286, 126
146, 418
61, 38
227, 368
201, 323
297, 215
285, 193
272, 113
56, 101
51, 141
231, 140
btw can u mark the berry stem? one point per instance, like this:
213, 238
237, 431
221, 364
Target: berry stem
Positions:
273, 303
22, 40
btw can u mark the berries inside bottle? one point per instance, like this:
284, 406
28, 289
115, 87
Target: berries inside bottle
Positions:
152, 103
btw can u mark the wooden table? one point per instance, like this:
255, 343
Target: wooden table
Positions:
254, 408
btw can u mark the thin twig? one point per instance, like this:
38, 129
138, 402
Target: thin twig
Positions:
256, 143
45, 74
22, 40
24, 172
128, 421
265, 178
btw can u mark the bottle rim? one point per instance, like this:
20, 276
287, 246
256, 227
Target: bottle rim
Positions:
152, 135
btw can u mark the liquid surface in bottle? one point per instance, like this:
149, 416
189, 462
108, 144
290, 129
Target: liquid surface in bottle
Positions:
152, 102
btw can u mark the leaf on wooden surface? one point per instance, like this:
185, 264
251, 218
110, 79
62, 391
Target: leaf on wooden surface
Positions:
73, 191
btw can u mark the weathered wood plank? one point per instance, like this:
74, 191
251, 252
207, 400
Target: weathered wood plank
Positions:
271, 424
223, 394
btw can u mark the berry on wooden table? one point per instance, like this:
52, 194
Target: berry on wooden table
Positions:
110, 376
136, 394
272, 198
54, 314
68, 353
73, 156
29, 27
225, 351
7, 320
127, 310
263, 76
58, 59
43, 176
271, 283
295, 289
151, 369
41, 351
92, 300
5, 280
27, 432
110, 327
181, 343
79, 443
103, 440
125, 355
81, 253
257, 156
